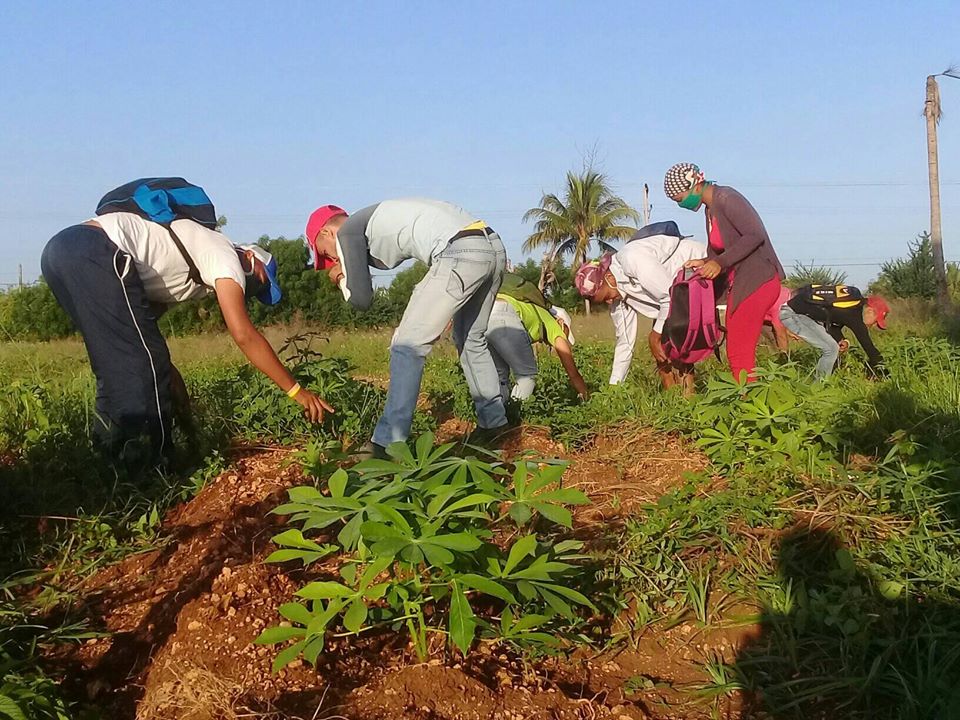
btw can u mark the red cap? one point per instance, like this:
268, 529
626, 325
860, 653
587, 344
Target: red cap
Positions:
318, 218
881, 308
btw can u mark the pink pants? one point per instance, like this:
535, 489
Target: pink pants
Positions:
744, 325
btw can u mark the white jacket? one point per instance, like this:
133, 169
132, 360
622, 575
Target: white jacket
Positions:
644, 270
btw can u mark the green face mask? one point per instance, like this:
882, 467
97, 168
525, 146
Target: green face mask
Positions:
692, 201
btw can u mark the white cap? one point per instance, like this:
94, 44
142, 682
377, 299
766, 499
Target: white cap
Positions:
563, 315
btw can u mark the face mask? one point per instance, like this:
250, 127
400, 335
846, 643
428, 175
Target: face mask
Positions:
692, 201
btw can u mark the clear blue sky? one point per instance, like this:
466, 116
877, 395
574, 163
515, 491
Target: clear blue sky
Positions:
813, 110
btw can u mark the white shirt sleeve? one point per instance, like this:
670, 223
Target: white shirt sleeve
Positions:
212, 253
652, 277
625, 326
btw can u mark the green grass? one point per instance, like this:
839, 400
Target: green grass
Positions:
836, 513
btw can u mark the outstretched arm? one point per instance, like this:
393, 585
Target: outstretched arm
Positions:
565, 353
258, 350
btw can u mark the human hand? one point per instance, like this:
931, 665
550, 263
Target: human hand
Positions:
710, 269
794, 336
313, 406
844, 345
694, 263
656, 347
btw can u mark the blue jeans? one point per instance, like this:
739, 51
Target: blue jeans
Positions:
815, 334
512, 350
461, 286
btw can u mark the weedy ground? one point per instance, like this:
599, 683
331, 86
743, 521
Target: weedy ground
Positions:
784, 551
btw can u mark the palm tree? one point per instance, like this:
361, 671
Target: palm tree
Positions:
588, 212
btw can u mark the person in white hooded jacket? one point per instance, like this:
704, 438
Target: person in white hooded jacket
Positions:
636, 281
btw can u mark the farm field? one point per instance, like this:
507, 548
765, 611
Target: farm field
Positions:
787, 551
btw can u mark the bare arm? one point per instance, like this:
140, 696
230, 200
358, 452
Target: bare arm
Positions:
565, 353
780, 335
258, 350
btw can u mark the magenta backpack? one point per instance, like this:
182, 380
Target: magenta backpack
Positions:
692, 331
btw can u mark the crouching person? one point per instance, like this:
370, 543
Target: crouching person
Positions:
466, 260
636, 281
115, 275
515, 325
819, 313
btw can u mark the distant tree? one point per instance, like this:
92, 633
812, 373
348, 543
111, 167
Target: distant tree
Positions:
913, 276
588, 212
33, 313
814, 275
221, 222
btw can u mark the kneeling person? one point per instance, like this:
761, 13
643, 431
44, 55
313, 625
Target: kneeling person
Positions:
636, 281
466, 261
514, 326
819, 313
116, 274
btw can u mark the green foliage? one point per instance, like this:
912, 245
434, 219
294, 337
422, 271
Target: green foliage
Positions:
915, 276
422, 551
32, 313
814, 275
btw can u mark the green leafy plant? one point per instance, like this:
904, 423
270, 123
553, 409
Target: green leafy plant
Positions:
421, 531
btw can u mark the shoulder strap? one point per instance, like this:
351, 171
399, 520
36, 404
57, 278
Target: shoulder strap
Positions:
674, 251
193, 273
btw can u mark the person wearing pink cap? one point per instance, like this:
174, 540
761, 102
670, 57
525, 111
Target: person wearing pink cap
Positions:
466, 260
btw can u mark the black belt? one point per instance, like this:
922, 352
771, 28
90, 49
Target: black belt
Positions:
478, 232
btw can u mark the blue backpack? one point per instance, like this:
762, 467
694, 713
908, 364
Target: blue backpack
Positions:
163, 200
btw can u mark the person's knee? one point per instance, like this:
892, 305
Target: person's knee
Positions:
403, 344
831, 353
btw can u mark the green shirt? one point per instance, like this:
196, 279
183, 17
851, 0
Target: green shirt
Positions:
540, 325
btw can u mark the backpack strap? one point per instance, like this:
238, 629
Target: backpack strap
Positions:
674, 251
193, 273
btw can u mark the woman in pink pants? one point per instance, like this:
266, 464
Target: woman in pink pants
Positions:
739, 252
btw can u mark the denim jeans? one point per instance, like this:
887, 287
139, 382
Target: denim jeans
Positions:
461, 286
815, 334
512, 350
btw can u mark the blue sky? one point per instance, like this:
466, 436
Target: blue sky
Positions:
812, 110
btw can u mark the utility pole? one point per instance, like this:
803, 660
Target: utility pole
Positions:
20, 275
932, 112
646, 204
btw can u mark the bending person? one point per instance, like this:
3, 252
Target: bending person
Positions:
636, 281
466, 260
819, 313
514, 326
115, 275
739, 250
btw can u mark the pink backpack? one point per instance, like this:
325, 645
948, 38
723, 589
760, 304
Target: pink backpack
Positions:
692, 331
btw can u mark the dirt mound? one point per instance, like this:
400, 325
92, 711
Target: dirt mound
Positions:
183, 618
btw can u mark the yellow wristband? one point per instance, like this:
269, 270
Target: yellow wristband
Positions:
292, 392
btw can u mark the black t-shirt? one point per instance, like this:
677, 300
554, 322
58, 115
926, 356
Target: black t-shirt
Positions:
837, 307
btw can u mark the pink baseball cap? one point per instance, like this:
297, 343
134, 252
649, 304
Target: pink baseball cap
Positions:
318, 218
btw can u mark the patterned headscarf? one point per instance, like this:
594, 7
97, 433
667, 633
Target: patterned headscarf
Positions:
681, 178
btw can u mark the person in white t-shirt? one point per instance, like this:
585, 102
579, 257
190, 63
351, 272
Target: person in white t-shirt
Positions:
115, 275
636, 281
